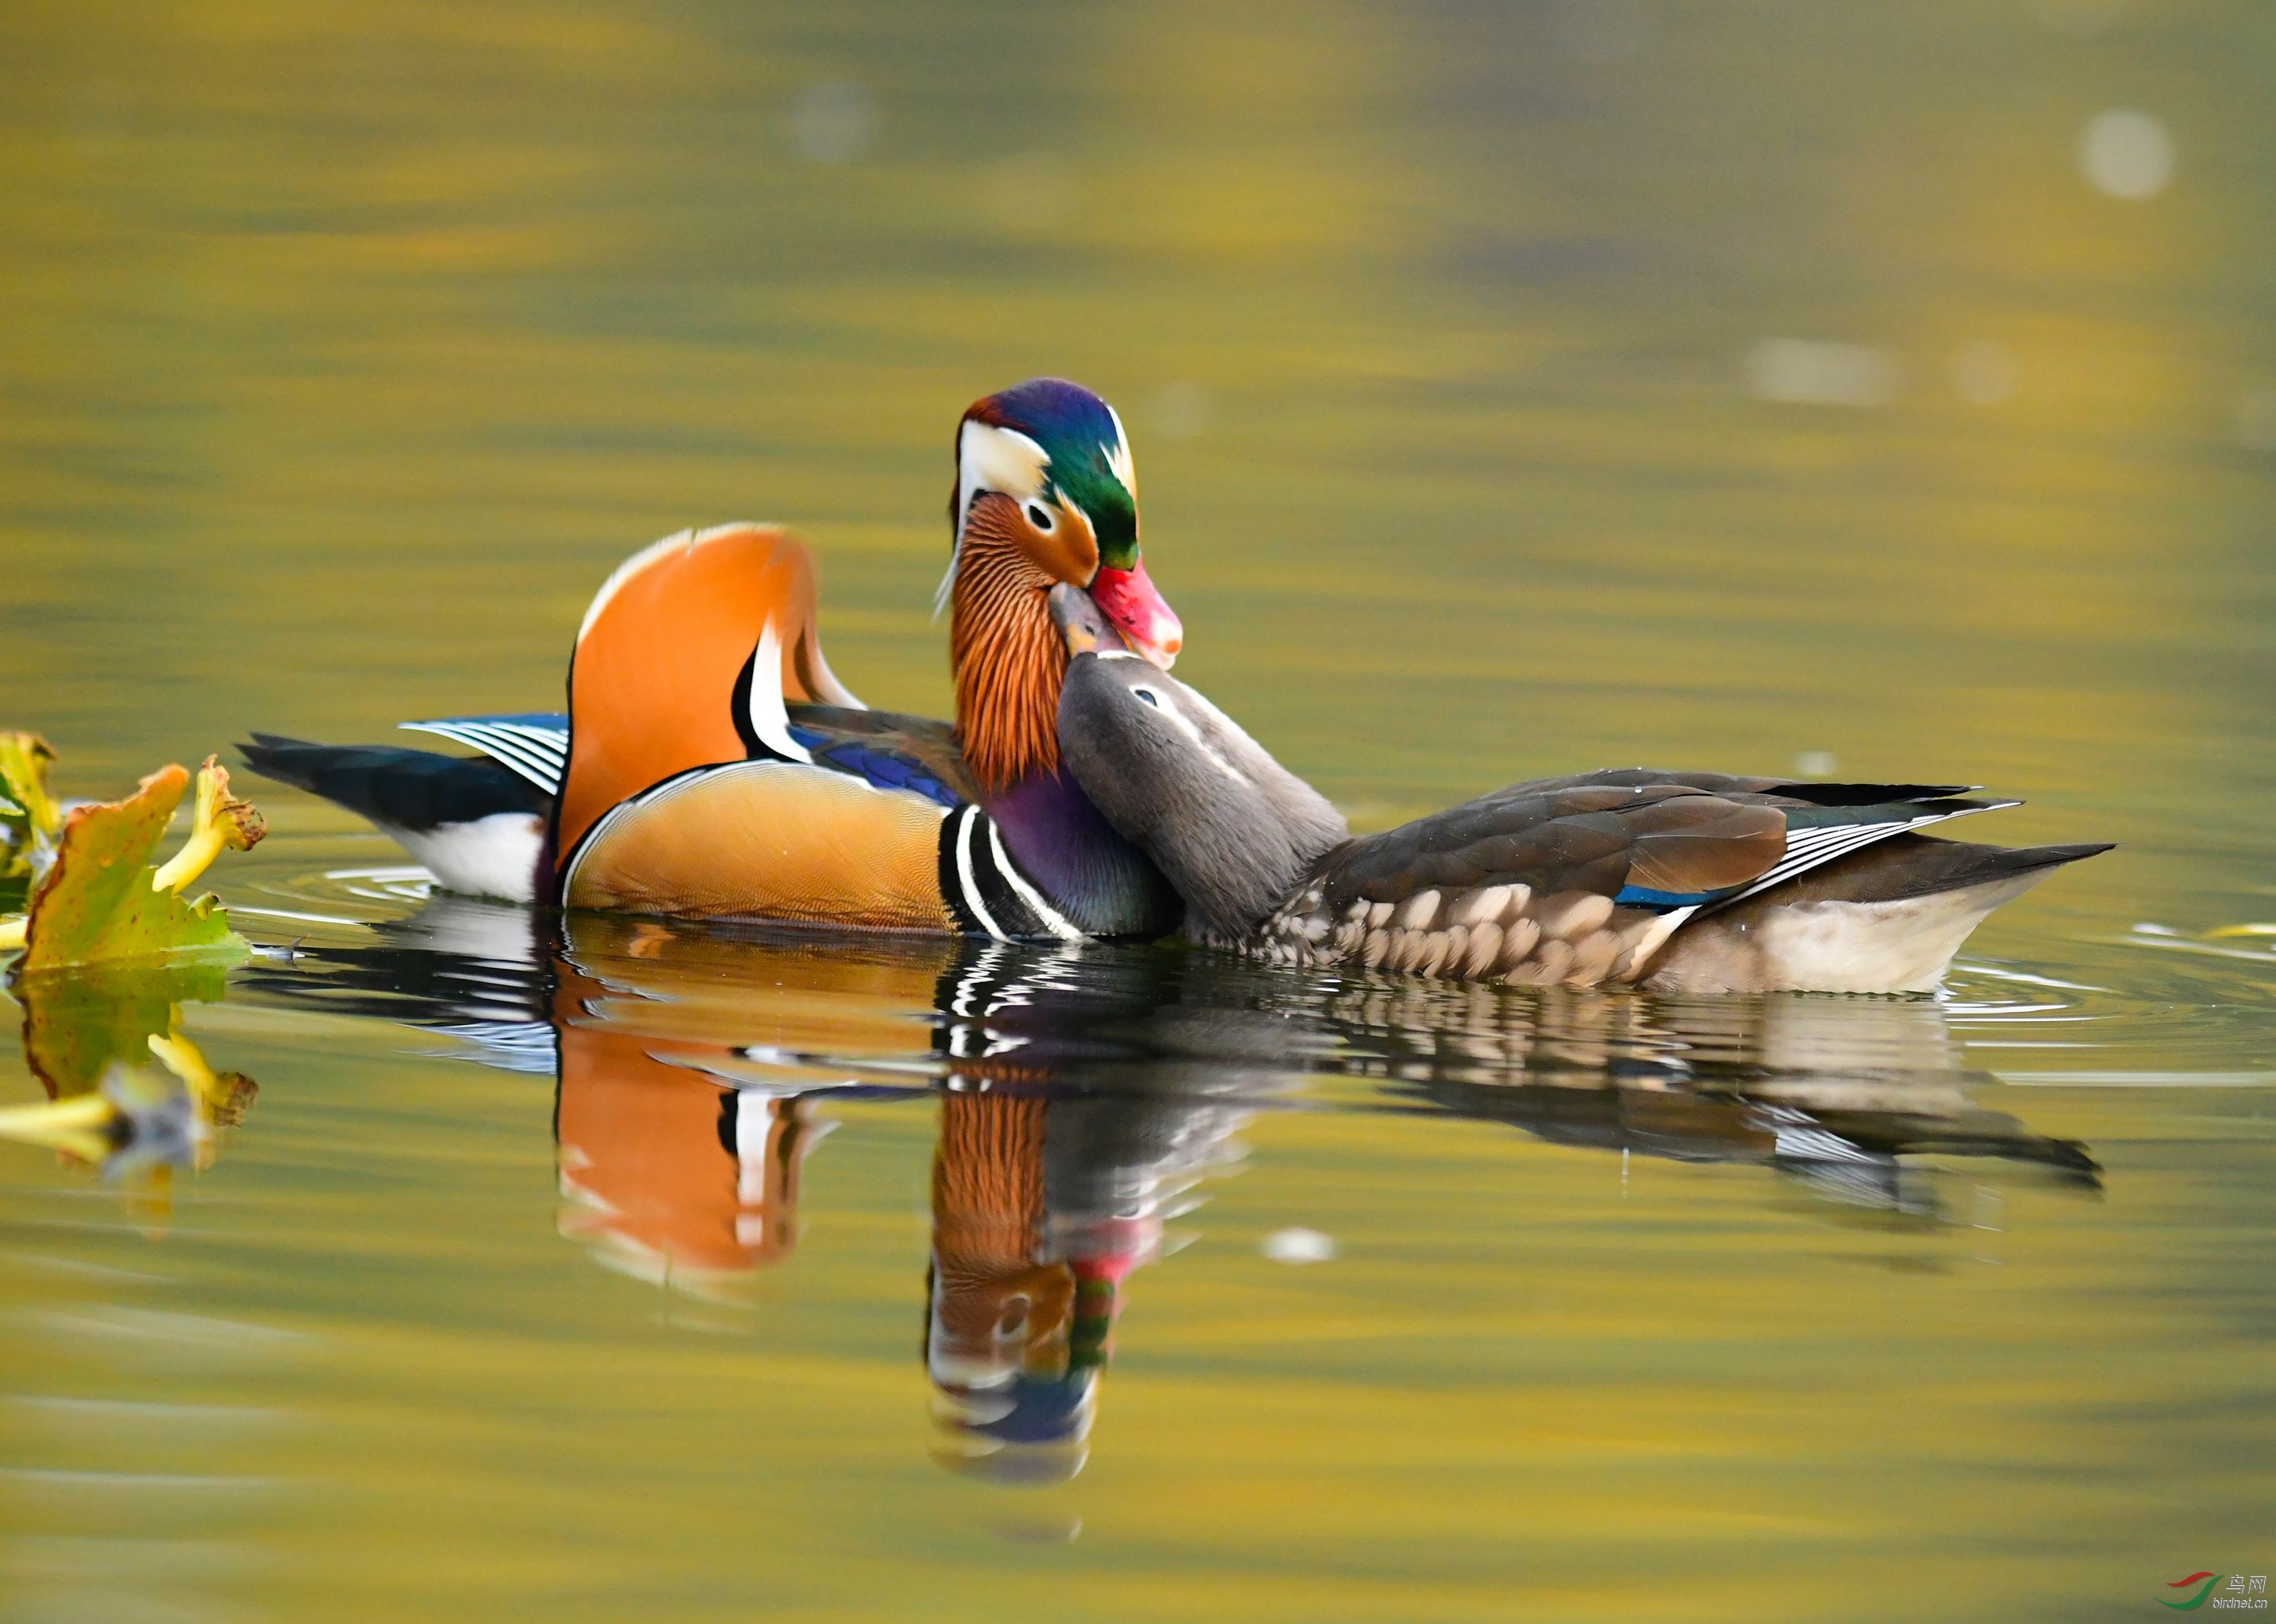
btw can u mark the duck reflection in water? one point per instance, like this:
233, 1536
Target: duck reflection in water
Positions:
1016, 1328
669, 1173
1082, 1103
1084, 1094
692, 1071
1845, 1095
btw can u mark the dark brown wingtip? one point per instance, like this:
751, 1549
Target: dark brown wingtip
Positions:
2051, 856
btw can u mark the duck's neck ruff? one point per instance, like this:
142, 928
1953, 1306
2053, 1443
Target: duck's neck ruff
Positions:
1009, 660
988, 1179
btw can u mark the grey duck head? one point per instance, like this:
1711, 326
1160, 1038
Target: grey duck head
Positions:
1234, 829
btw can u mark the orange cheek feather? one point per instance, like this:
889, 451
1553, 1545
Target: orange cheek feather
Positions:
1070, 553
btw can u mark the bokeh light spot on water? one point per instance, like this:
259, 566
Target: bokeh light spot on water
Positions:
1813, 372
2125, 153
1298, 1245
1983, 372
834, 123
1817, 764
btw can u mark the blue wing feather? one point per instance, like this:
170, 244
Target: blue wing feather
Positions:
1643, 897
875, 766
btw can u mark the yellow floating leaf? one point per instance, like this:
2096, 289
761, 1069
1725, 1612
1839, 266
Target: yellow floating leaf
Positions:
95, 902
28, 816
25, 801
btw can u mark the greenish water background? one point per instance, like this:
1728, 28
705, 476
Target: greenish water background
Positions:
344, 352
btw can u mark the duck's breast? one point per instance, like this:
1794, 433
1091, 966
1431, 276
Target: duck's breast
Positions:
776, 840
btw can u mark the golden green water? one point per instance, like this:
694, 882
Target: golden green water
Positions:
1515, 389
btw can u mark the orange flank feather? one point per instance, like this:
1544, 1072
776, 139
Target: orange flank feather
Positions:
652, 682
1009, 660
775, 839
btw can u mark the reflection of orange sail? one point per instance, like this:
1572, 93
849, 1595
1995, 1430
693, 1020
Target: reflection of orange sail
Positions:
706, 996
661, 1166
682, 1123
649, 1163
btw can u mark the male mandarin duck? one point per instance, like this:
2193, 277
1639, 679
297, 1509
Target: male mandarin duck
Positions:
711, 763
1674, 882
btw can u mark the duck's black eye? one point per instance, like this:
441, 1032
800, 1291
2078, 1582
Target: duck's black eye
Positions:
1147, 694
1039, 518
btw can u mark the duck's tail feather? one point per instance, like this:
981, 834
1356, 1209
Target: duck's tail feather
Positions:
477, 827
403, 789
531, 744
1905, 866
1888, 918
1820, 840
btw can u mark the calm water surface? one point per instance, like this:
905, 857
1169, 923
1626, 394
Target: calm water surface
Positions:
1516, 390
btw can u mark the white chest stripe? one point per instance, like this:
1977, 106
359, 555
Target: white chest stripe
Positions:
1052, 920
970, 880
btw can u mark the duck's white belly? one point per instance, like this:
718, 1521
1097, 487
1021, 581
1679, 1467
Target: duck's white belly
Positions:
495, 856
1829, 946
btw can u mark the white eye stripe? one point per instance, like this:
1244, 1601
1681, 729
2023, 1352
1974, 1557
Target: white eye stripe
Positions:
989, 458
1169, 708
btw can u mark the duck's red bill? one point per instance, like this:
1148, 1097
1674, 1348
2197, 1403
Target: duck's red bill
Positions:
1129, 599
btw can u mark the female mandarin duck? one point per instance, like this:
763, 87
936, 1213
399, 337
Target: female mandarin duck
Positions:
1676, 881
711, 763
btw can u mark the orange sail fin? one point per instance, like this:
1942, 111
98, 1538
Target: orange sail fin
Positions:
656, 684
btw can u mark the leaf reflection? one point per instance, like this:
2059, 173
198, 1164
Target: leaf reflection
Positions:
127, 1093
